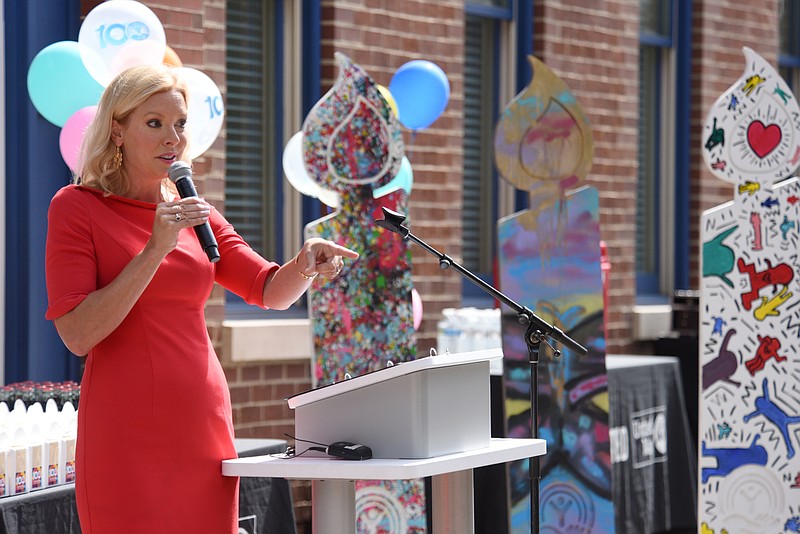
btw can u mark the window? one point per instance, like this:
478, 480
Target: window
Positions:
252, 184
662, 192
647, 208
266, 70
491, 47
500, 5
480, 112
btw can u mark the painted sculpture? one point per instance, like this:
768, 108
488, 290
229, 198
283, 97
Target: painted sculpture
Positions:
749, 424
362, 320
549, 260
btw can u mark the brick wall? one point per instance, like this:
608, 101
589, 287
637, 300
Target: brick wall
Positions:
592, 46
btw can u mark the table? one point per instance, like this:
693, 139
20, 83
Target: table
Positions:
46, 511
265, 505
333, 481
654, 463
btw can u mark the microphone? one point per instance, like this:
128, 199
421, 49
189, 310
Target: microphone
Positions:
180, 173
393, 222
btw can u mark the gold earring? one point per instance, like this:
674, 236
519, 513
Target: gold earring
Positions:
118, 158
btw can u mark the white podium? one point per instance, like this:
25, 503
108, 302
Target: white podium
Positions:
425, 418
418, 409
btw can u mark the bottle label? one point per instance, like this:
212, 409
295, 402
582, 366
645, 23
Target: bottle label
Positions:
70, 476
20, 486
52, 474
36, 477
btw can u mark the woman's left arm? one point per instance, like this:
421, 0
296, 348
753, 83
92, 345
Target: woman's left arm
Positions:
317, 257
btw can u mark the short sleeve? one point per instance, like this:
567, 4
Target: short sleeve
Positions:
70, 259
240, 269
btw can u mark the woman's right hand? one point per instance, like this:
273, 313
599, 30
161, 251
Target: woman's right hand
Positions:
172, 217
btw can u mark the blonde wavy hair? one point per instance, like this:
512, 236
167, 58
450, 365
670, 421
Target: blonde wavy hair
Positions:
124, 94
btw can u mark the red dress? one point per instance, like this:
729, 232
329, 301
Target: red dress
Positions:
154, 418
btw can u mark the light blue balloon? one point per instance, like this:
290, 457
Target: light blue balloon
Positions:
404, 180
421, 90
59, 84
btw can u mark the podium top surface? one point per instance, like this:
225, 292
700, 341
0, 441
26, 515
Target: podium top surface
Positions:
500, 450
394, 371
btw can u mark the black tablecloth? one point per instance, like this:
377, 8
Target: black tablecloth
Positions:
654, 462
265, 504
46, 511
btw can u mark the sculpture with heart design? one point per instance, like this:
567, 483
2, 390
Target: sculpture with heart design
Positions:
749, 415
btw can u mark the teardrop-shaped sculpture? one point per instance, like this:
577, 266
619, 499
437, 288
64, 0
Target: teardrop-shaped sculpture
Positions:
750, 136
543, 135
358, 151
351, 137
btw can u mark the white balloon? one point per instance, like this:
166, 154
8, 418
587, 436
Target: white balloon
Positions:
295, 171
119, 34
206, 110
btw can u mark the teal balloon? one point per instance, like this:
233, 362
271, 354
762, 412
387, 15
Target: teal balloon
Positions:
59, 84
421, 91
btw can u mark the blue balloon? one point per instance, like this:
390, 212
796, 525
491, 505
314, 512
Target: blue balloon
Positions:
421, 90
59, 84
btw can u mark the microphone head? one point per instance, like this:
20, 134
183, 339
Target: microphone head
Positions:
383, 223
393, 222
178, 170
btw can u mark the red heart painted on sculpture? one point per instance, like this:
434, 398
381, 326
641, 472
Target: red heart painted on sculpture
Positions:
763, 139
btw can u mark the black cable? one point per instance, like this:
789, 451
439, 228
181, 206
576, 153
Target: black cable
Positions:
306, 441
290, 453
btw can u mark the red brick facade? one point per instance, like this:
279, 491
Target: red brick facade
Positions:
593, 46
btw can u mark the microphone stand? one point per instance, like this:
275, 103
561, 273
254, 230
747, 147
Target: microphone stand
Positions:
537, 332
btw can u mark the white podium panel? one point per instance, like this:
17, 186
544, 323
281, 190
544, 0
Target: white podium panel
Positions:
420, 409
